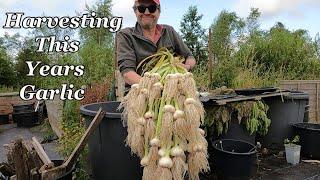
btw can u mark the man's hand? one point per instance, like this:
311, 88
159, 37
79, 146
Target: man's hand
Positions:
187, 67
190, 63
131, 77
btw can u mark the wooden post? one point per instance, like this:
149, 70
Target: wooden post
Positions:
55, 111
20, 160
209, 58
317, 100
115, 55
42, 154
53, 173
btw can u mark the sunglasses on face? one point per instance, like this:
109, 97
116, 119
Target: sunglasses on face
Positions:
142, 8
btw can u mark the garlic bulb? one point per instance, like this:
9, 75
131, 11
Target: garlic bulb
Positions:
165, 162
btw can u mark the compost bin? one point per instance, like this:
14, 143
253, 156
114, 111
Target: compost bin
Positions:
284, 111
110, 158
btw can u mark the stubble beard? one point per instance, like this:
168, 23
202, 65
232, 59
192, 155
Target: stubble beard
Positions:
148, 25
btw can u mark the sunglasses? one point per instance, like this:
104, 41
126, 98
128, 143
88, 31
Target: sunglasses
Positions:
142, 8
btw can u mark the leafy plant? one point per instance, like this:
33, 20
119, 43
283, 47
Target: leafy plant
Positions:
258, 122
245, 56
252, 114
295, 140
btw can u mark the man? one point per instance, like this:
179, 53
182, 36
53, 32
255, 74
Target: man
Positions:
136, 43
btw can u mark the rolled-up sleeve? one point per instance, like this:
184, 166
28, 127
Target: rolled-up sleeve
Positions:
126, 57
180, 47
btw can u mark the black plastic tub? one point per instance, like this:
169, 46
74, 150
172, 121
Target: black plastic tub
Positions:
110, 158
23, 108
25, 119
309, 139
4, 119
282, 114
234, 159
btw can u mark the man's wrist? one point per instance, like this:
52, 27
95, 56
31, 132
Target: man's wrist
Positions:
189, 67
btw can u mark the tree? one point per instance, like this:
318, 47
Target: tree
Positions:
28, 54
97, 50
7, 74
252, 21
101, 36
224, 30
59, 33
194, 35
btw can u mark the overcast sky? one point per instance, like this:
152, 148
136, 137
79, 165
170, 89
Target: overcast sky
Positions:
294, 14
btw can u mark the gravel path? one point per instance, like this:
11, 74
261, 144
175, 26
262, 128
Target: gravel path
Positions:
10, 132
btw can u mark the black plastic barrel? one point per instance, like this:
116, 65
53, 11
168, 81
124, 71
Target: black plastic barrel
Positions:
309, 139
4, 119
110, 158
234, 159
25, 119
282, 114
23, 108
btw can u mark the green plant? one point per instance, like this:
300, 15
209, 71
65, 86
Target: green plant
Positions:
295, 140
258, 121
252, 114
246, 56
73, 130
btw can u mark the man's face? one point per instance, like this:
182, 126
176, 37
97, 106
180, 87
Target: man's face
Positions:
147, 20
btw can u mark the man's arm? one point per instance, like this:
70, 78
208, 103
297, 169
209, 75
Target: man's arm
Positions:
131, 77
126, 58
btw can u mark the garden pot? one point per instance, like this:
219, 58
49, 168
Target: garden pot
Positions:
282, 115
234, 159
109, 156
292, 153
309, 139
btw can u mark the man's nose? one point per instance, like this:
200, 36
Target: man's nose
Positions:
147, 11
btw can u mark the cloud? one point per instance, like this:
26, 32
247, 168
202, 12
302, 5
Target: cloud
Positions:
271, 8
4, 4
123, 9
82, 4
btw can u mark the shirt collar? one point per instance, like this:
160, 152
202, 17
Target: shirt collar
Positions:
138, 30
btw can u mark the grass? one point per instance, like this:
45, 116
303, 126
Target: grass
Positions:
6, 89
